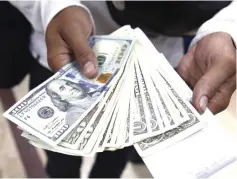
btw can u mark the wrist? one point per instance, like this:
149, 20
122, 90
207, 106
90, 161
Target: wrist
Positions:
72, 16
54, 9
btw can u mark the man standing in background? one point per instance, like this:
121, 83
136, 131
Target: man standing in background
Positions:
209, 66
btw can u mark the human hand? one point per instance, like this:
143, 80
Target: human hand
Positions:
67, 36
209, 68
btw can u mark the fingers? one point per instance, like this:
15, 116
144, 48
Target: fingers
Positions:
67, 34
221, 100
83, 53
209, 84
76, 35
58, 52
188, 69
208, 66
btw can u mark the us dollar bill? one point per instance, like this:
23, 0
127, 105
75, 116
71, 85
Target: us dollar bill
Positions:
102, 119
54, 108
163, 118
96, 127
128, 128
85, 141
108, 139
170, 114
60, 149
71, 140
193, 124
101, 140
136, 98
129, 125
176, 103
140, 122
129, 120
113, 135
124, 108
107, 131
152, 112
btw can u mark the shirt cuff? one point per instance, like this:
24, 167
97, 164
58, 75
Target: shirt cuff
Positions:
224, 21
212, 27
51, 8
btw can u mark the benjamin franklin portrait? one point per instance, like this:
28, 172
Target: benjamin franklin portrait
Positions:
70, 97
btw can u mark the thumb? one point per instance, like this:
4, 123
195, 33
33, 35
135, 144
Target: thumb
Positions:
208, 85
76, 35
86, 58
57, 51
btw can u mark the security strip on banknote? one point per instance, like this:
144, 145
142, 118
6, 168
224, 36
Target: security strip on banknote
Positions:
134, 100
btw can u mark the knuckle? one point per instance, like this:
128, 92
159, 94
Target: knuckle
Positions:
58, 61
182, 70
85, 56
206, 84
82, 56
230, 62
50, 62
212, 87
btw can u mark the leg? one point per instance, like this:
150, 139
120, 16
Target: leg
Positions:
27, 153
7, 97
14, 58
58, 165
110, 164
62, 166
135, 158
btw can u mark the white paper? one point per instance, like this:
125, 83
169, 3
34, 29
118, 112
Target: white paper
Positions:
198, 156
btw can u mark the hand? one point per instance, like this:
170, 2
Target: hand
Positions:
67, 36
209, 68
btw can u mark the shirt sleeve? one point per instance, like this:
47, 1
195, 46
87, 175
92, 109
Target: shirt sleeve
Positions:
41, 12
224, 21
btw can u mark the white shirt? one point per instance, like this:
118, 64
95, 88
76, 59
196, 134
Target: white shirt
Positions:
40, 12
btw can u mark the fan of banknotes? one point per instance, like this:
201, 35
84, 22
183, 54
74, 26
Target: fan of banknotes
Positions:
136, 99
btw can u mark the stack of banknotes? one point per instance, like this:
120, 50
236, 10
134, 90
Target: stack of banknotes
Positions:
136, 99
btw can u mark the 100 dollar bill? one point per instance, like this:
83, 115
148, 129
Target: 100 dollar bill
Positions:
54, 108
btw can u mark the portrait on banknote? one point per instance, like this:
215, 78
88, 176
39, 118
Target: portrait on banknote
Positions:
70, 97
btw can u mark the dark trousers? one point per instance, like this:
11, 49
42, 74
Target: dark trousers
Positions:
186, 42
107, 164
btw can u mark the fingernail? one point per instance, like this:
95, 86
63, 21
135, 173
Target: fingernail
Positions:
89, 67
203, 103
